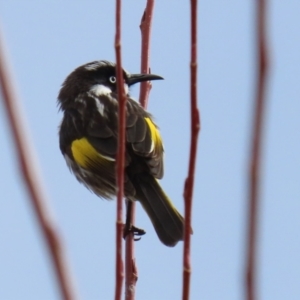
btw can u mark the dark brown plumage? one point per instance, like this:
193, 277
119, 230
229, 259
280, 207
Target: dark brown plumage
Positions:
88, 140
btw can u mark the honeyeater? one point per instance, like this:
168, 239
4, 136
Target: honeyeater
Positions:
88, 138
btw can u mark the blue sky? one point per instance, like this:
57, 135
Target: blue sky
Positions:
48, 39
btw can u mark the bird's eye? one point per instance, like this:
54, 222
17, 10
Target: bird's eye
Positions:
112, 79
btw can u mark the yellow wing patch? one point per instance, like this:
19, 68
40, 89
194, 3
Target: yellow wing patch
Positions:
83, 153
155, 136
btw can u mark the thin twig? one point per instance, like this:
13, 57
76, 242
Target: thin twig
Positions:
32, 179
131, 273
195, 127
120, 156
256, 146
145, 27
130, 265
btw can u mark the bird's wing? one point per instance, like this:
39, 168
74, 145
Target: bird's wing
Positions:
144, 137
87, 139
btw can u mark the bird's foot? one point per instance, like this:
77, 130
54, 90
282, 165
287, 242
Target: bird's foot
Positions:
137, 232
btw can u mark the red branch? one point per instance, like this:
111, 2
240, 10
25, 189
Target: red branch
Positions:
120, 156
32, 180
255, 159
145, 26
195, 127
131, 273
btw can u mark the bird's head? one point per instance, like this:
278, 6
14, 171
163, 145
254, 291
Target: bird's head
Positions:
99, 78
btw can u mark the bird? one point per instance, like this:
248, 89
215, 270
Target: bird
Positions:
88, 140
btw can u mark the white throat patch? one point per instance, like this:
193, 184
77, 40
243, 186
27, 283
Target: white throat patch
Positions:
126, 89
100, 89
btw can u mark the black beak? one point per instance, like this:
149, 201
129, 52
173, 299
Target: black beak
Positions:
135, 78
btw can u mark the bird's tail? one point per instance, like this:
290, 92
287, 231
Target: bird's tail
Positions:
167, 221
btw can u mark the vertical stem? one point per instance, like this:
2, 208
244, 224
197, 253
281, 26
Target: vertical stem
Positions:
120, 155
146, 24
195, 127
255, 159
32, 179
131, 273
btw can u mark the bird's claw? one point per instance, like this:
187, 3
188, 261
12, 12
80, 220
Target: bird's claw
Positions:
134, 230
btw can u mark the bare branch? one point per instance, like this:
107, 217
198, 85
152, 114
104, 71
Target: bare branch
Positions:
255, 159
32, 179
131, 273
195, 127
145, 26
120, 156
